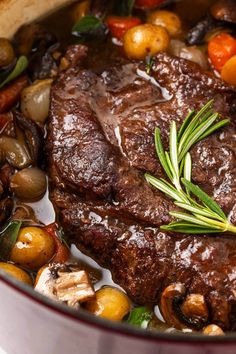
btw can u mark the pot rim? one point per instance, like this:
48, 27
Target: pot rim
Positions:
120, 328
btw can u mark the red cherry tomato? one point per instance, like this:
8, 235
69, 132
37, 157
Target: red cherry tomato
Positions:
148, 4
62, 253
220, 49
118, 26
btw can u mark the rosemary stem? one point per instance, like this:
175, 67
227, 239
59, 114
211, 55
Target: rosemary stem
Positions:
231, 228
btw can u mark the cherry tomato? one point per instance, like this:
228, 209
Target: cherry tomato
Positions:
148, 4
220, 49
62, 253
118, 26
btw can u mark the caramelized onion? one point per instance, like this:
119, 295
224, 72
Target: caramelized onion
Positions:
35, 100
193, 53
15, 152
29, 184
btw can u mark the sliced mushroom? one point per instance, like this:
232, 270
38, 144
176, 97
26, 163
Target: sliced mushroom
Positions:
172, 294
224, 10
195, 307
65, 283
213, 330
181, 312
74, 287
34, 136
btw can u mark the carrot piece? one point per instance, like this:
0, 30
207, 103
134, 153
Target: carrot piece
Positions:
220, 49
228, 72
62, 252
118, 26
10, 94
148, 4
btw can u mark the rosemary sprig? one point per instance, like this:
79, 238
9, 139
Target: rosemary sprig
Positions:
203, 214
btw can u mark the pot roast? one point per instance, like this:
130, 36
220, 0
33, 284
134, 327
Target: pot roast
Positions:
100, 144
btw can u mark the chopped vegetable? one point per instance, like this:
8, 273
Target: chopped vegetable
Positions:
86, 25
8, 238
10, 94
118, 26
67, 284
167, 19
33, 248
145, 40
228, 72
62, 252
220, 49
20, 67
35, 100
16, 272
148, 4
140, 316
110, 303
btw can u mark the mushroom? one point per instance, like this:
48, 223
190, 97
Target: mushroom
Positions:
213, 330
33, 134
224, 10
65, 283
181, 312
171, 295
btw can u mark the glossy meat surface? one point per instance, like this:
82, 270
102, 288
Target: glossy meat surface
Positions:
100, 144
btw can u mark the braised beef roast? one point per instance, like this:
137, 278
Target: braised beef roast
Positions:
100, 143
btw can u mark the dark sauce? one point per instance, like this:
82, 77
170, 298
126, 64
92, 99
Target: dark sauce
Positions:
106, 51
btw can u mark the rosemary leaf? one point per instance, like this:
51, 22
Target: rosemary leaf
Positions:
200, 194
193, 138
199, 211
188, 228
192, 219
185, 124
215, 127
174, 149
161, 154
188, 169
192, 125
163, 187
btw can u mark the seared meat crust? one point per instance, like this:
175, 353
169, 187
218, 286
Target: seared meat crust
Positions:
100, 143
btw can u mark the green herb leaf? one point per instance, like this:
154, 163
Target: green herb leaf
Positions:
124, 7
86, 24
204, 197
140, 316
8, 238
161, 154
188, 228
205, 216
21, 65
149, 64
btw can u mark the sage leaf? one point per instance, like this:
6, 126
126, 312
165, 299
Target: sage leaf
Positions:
140, 316
19, 68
